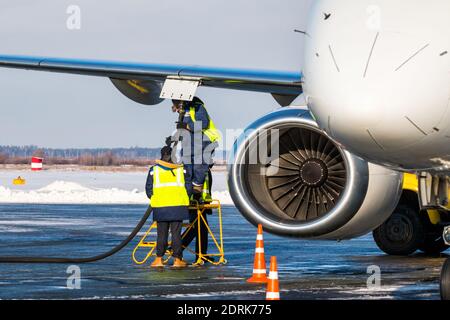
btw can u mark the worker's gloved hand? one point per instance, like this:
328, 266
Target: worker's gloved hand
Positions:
182, 125
197, 197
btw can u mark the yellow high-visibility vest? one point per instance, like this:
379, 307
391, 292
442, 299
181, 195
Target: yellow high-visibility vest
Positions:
169, 188
206, 195
211, 132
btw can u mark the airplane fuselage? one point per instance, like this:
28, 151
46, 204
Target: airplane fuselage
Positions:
377, 79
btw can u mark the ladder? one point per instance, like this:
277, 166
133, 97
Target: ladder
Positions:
148, 244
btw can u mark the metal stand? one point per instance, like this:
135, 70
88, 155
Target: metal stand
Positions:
199, 222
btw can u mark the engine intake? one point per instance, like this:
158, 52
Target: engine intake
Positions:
307, 186
308, 177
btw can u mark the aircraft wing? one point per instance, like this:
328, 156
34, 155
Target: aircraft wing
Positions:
278, 83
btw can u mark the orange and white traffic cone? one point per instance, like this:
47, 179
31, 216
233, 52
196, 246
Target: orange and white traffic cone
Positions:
273, 288
259, 266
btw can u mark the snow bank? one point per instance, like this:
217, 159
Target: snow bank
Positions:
223, 196
62, 192
66, 192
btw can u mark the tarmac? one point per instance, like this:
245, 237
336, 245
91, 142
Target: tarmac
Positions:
308, 270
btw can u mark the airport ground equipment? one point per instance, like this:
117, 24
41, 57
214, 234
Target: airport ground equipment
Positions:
150, 244
445, 273
102, 256
446, 235
19, 181
445, 280
412, 227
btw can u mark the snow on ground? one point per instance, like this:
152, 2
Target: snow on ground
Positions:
86, 187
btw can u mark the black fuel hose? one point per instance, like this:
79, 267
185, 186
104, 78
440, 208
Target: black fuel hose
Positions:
81, 260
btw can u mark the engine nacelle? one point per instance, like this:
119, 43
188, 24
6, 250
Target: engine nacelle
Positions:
307, 186
145, 92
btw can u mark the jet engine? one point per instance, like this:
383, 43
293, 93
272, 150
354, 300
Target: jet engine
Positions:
145, 92
288, 175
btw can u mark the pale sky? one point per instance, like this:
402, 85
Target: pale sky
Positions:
57, 110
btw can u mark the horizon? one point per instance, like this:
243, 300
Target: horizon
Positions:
87, 148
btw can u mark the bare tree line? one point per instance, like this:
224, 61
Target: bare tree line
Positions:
84, 157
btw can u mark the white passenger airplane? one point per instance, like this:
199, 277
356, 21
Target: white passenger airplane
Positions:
376, 81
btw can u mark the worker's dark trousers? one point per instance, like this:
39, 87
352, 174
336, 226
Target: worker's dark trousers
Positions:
193, 232
197, 162
163, 236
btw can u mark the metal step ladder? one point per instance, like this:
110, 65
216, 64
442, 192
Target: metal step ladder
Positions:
148, 240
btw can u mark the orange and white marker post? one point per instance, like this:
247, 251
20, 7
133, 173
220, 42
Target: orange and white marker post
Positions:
273, 288
259, 266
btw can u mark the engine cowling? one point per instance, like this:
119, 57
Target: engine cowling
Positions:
307, 186
145, 92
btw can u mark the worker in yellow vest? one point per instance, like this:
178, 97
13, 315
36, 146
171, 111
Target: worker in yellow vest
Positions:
192, 233
203, 138
169, 197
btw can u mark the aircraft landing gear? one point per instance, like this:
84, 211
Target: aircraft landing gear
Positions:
402, 234
445, 280
408, 230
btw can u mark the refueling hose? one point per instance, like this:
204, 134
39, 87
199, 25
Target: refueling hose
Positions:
81, 260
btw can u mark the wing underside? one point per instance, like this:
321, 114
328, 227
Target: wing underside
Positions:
275, 82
